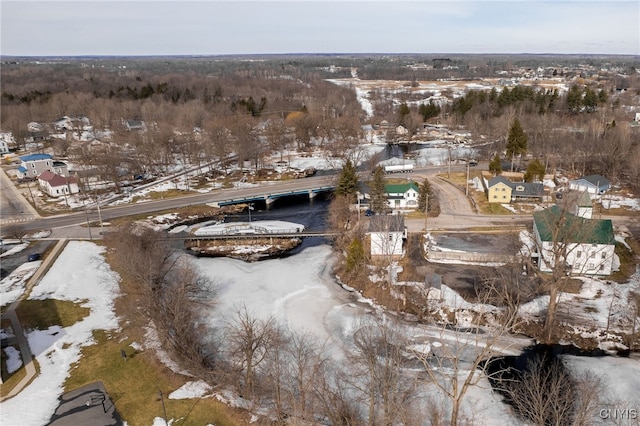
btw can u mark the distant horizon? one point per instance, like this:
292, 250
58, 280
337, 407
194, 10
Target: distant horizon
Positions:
328, 54
54, 28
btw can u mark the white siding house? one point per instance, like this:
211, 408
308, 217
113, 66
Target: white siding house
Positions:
403, 196
387, 235
6, 142
593, 184
587, 245
56, 185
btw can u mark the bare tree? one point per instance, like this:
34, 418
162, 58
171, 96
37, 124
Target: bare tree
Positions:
248, 342
14, 230
378, 358
545, 392
458, 362
307, 363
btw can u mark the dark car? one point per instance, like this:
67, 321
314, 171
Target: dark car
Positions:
35, 256
473, 163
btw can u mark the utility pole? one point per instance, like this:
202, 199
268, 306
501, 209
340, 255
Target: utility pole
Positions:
466, 189
87, 215
426, 213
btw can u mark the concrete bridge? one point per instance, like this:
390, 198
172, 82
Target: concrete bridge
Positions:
269, 196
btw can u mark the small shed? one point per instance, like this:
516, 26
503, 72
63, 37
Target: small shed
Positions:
387, 235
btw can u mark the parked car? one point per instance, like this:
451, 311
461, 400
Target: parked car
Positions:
473, 163
35, 256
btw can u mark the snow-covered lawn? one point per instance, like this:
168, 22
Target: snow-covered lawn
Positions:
14, 360
79, 274
598, 307
13, 285
15, 249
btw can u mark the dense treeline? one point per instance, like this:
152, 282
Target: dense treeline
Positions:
584, 130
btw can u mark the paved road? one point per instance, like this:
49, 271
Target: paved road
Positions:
13, 205
457, 212
108, 213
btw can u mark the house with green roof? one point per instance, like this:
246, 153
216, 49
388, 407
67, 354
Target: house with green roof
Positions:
402, 195
587, 245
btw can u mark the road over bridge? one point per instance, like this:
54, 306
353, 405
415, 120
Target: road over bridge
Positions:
258, 191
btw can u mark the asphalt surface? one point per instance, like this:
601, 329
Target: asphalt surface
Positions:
9, 263
88, 405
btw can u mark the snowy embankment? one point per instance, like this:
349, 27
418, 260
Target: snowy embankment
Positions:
80, 274
13, 285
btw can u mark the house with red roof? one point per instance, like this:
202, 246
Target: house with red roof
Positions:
56, 185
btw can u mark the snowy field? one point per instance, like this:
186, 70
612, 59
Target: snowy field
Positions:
79, 274
299, 291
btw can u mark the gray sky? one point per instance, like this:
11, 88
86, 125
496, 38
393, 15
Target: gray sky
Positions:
78, 27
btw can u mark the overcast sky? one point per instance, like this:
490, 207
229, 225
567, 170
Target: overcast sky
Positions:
52, 28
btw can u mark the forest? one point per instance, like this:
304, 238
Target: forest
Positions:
200, 109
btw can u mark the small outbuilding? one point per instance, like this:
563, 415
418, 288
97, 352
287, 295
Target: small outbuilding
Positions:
593, 184
387, 235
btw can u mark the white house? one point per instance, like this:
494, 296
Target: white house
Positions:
580, 204
6, 142
56, 185
593, 184
387, 235
403, 195
587, 245
33, 165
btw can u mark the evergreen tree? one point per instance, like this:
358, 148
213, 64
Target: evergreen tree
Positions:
428, 111
535, 169
602, 97
355, 255
590, 99
424, 196
403, 112
379, 200
494, 165
517, 140
348, 181
574, 98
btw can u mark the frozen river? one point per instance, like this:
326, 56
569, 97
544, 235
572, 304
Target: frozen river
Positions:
298, 291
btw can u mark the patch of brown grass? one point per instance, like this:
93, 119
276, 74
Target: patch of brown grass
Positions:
41, 314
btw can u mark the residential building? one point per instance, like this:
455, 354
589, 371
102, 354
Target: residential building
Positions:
403, 195
593, 184
387, 235
502, 190
587, 245
6, 142
579, 204
56, 185
33, 165
499, 190
61, 168
523, 191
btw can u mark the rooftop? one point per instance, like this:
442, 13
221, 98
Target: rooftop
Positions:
556, 224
